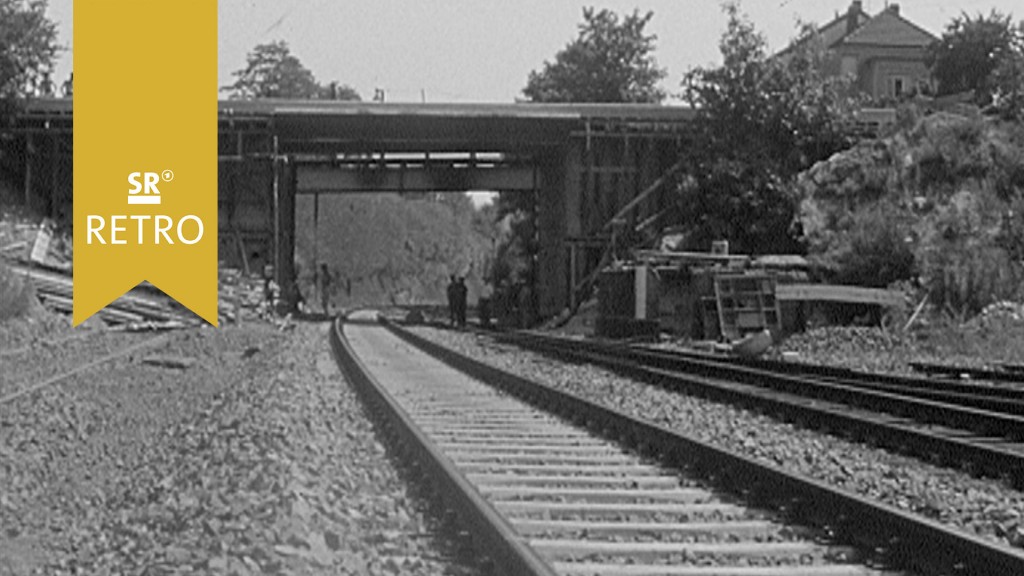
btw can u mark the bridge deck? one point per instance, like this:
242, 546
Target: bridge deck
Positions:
323, 127
320, 108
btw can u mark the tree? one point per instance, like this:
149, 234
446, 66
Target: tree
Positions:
28, 44
335, 91
979, 54
783, 112
760, 119
610, 60
273, 72
1008, 79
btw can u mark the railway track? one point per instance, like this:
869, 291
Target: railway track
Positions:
990, 441
998, 395
543, 496
1007, 373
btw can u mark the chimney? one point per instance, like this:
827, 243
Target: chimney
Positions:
853, 16
894, 8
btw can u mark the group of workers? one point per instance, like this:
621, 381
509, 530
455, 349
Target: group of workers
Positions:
457, 292
323, 283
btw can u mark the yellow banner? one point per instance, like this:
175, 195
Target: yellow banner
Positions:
145, 141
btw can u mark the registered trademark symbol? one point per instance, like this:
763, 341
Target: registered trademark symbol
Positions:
167, 175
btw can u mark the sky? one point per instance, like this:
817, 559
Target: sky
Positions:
484, 50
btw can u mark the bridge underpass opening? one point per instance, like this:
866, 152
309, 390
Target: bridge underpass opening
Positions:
393, 227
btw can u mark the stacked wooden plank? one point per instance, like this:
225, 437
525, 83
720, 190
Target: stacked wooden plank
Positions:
141, 304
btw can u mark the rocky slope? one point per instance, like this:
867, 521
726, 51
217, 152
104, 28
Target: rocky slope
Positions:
940, 200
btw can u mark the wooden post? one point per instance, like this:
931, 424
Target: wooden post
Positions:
572, 277
54, 165
29, 154
276, 177
640, 292
286, 233
316, 233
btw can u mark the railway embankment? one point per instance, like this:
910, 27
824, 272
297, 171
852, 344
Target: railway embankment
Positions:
993, 337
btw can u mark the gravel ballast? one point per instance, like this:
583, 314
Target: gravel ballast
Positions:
242, 452
985, 507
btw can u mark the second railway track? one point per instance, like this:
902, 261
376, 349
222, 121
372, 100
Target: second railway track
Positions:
543, 496
991, 441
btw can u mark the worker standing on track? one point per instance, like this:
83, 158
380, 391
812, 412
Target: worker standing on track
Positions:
324, 279
451, 293
460, 301
525, 301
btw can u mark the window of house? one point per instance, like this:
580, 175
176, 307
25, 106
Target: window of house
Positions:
898, 85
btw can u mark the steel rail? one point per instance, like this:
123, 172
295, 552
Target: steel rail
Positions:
507, 551
893, 382
907, 382
914, 542
1004, 399
957, 371
983, 422
997, 399
908, 433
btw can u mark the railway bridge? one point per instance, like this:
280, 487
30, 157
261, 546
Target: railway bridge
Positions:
591, 169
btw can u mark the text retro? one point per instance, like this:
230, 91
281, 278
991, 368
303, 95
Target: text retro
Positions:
144, 228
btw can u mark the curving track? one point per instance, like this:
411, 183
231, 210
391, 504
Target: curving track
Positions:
542, 496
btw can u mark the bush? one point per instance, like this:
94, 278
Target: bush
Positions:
967, 280
963, 255
877, 253
1011, 232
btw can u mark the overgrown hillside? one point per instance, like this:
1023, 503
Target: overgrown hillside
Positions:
391, 249
940, 202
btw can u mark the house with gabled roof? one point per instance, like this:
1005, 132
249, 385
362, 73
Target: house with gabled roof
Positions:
884, 53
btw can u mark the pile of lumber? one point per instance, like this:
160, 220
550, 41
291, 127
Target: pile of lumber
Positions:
142, 305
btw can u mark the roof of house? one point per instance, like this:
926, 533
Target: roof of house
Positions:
836, 30
888, 28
